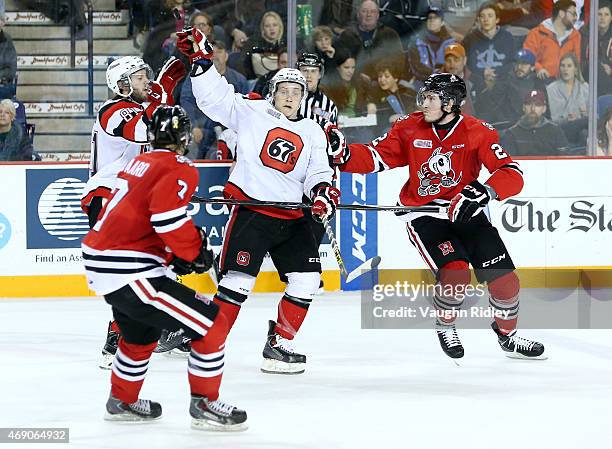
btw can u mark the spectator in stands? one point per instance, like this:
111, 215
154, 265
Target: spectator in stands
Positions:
336, 14
404, 16
204, 130
604, 134
490, 48
322, 38
568, 98
514, 12
392, 99
604, 41
369, 41
455, 63
501, 100
14, 143
162, 11
534, 134
347, 89
261, 86
260, 51
553, 38
203, 22
426, 53
8, 63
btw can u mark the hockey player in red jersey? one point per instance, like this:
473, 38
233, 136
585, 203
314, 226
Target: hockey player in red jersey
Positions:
280, 157
143, 228
444, 151
120, 134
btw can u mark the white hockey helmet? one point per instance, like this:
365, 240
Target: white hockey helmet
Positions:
286, 76
120, 70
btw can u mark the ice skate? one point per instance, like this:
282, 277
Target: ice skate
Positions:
109, 349
449, 340
279, 356
142, 410
216, 415
169, 341
517, 347
181, 351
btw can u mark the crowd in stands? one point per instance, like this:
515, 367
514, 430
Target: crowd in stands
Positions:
525, 63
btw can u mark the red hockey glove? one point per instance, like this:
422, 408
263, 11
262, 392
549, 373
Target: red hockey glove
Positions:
172, 72
468, 203
337, 150
325, 202
193, 44
156, 93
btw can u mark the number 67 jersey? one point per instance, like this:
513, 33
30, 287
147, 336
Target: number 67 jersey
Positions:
277, 159
440, 162
144, 223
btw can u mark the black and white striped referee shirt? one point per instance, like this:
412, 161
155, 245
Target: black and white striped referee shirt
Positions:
320, 108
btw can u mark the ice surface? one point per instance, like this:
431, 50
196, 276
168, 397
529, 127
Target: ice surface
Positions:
362, 388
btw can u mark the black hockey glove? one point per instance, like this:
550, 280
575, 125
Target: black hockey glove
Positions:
205, 259
181, 267
338, 151
468, 203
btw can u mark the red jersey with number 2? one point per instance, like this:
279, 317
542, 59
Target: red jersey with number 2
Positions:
441, 163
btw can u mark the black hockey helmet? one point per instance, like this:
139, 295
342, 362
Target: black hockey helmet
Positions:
170, 125
448, 87
310, 60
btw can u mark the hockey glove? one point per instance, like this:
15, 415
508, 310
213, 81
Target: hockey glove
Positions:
193, 44
325, 202
205, 259
468, 203
171, 73
181, 267
337, 150
156, 93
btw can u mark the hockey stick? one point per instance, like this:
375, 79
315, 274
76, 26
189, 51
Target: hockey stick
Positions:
368, 265
289, 205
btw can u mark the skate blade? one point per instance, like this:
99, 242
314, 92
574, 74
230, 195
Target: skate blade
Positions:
271, 366
213, 426
172, 354
518, 356
128, 418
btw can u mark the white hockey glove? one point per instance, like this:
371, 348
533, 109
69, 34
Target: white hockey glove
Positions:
337, 150
468, 203
324, 202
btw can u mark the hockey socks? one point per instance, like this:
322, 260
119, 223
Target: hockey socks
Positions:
129, 370
229, 303
291, 314
504, 301
206, 360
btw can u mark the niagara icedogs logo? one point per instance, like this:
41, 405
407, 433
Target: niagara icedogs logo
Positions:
436, 173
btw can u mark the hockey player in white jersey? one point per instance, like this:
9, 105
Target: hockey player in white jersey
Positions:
120, 134
280, 157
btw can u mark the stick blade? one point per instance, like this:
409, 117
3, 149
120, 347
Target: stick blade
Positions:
368, 265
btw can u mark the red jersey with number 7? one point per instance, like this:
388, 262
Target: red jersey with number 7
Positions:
439, 166
144, 223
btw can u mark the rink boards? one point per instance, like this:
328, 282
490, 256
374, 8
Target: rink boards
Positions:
557, 230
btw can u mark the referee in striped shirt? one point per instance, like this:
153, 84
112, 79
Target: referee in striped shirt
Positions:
317, 106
